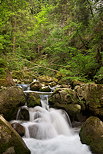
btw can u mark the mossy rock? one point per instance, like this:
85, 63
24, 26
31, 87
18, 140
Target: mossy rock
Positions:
92, 95
33, 99
47, 79
63, 96
45, 89
23, 114
35, 86
11, 99
10, 141
91, 134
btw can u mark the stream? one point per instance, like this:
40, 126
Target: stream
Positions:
49, 130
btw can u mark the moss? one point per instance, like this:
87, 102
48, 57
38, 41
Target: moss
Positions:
91, 134
33, 100
10, 138
10, 99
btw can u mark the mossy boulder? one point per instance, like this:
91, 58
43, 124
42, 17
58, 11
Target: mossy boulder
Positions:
63, 96
45, 89
11, 99
92, 94
33, 99
47, 79
10, 141
23, 114
91, 134
35, 86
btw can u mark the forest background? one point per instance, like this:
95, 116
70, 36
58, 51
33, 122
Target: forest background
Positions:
59, 38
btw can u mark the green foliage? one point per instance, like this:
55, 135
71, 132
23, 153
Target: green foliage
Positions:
83, 65
3, 63
16, 62
2, 72
99, 76
64, 36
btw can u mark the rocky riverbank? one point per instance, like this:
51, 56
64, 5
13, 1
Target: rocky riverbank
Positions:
79, 100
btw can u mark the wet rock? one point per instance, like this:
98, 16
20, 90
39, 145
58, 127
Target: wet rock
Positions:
19, 128
91, 134
10, 141
10, 99
23, 114
33, 131
35, 86
45, 89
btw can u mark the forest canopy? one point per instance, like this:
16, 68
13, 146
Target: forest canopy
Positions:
53, 37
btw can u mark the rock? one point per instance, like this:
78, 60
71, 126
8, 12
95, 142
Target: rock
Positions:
66, 99
47, 79
23, 114
63, 96
33, 99
52, 84
91, 134
45, 89
10, 141
35, 86
10, 151
92, 94
10, 99
19, 128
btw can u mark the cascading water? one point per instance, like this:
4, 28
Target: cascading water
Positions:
48, 131
44, 101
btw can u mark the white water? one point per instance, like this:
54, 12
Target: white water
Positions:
48, 132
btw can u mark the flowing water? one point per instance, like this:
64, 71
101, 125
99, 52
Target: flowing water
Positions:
49, 131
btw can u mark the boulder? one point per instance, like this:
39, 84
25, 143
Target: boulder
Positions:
91, 134
19, 128
10, 99
23, 114
63, 96
35, 85
33, 99
92, 94
10, 141
47, 79
45, 89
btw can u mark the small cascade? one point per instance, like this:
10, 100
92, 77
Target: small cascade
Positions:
44, 101
49, 131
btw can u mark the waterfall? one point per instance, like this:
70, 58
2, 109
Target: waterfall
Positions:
49, 131
44, 101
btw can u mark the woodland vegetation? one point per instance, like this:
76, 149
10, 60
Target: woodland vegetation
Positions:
61, 38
